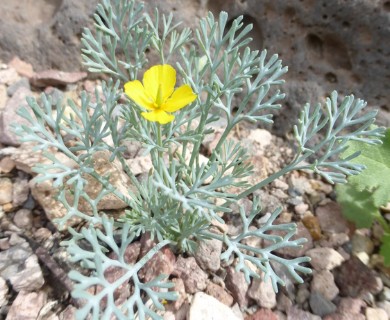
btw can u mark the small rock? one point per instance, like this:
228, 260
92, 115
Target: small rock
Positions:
3, 96
301, 208
338, 239
313, 226
385, 305
140, 165
6, 165
6, 187
219, 293
262, 314
23, 68
300, 185
284, 302
303, 294
263, 293
23, 219
56, 77
8, 76
363, 257
385, 294
208, 254
205, 307
280, 184
295, 252
27, 305
9, 117
259, 139
324, 258
331, 219
180, 289
55, 94
20, 192
236, 283
30, 278
353, 278
194, 278
3, 292
323, 282
21, 83
297, 314
376, 314
350, 306
361, 243
69, 313
320, 305
163, 262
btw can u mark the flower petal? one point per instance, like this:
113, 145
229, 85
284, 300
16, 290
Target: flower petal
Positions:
160, 75
179, 99
158, 116
136, 92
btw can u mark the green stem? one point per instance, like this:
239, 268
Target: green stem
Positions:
266, 181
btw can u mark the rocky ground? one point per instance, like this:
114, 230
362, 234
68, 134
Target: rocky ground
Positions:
326, 44
348, 280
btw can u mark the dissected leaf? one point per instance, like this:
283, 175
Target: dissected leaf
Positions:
375, 177
357, 206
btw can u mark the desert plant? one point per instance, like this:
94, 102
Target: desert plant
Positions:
181, 197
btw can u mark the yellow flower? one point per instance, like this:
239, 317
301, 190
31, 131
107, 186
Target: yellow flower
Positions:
157, 94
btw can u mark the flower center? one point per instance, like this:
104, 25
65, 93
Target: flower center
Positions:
159, 98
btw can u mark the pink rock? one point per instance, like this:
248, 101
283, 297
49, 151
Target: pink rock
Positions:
350, 305
9, 116
219, 293
179, 288
193, 276
263, 293
262, 314
163, 262
23, 68
56, 77
236, 283
331, 219
297, 314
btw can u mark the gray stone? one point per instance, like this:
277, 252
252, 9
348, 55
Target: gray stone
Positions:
323, 282
208, 254
30, 278
21, 83
205, 307
50, 31
320, 305
23, 219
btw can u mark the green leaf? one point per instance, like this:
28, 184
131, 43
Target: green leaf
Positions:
375, 177
385, 249
357, 206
